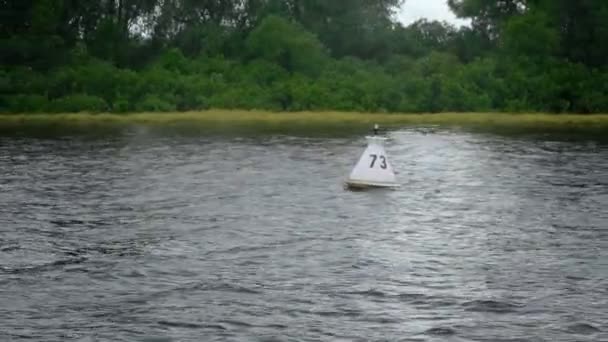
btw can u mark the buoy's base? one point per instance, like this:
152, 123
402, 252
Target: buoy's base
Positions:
360, 186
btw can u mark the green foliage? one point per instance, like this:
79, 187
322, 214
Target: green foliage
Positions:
300, 55
24, 80
531, 35
207, 40
286, 44
154, 103
79, 103
24, 103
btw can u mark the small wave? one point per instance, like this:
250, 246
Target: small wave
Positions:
67, 223
225, 287
369, 293
10, 248
190, 325
44, 267
407, 297
344, 313
275, 326
80, 223
303, 301
411, 298
237, 323
380, 320
24, 337
156, 339
270, 339
441, 331
119, 249
269, 246
363, 263
249, 262
490, 306
583, 329
235, 288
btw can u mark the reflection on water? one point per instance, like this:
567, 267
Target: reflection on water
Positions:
142, 236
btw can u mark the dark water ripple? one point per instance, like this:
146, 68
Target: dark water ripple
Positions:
140, 237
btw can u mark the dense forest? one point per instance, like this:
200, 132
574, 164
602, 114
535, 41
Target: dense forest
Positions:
291, 55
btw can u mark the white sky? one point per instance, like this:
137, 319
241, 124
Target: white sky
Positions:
429, 9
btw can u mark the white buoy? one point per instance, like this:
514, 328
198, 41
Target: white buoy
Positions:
373, 170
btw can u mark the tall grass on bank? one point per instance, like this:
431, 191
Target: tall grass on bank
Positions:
307, 122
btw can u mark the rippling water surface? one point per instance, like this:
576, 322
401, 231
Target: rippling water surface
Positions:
143, 237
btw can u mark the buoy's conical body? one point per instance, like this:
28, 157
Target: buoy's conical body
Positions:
373, 168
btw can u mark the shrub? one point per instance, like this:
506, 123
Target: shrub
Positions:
153, 103
24, 103
79, 103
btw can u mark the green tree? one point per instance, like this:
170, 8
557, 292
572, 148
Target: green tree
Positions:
287, 44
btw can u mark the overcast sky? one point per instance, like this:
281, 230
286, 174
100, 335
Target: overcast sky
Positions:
429, 9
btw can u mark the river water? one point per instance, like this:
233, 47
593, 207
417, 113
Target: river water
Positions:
145, 237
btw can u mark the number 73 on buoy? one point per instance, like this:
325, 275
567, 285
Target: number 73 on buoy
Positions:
373, 170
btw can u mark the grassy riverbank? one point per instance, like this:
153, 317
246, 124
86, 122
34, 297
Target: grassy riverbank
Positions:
260, 121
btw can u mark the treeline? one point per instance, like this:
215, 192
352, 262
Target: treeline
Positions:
351, 55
